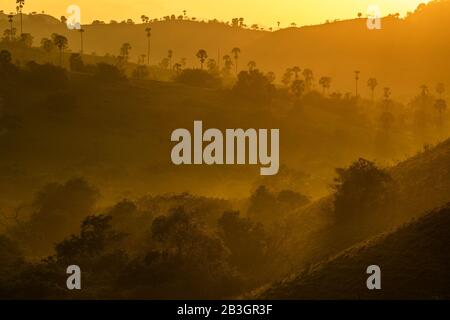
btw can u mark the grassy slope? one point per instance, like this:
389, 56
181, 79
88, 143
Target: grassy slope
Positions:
414, 261
422, 184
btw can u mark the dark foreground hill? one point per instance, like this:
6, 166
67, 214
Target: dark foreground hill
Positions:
414, 262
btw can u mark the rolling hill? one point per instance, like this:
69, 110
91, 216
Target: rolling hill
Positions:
414, 262
403, 55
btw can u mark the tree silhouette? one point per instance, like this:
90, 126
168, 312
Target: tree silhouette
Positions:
372, 83
20, 4
125, 51
387, 95
61, 43
251, 65
325, 82
177, 67
287, 77
211, 65
236, 52
296, 70
169, 56
149, 34
11, 33
5, 58
309, 78
356, 82
145, 19
47, 45
298, 87
227, 64
202, 55
440, 106
81, 31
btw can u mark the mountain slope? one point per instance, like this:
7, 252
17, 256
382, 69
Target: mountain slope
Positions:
414, 262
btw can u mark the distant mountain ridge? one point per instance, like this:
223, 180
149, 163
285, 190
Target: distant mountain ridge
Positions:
404, 54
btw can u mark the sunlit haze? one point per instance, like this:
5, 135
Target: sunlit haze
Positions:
266, 13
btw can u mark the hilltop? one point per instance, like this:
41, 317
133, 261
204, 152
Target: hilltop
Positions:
399, 54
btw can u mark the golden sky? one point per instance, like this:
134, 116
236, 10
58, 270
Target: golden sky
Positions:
263, 12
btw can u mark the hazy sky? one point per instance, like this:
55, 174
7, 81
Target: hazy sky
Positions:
262, 12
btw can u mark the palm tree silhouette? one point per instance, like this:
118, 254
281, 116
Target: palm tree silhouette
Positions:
251, 65
61, 43
309, 77
372, 83
177, 67
20, 4
325, 82
202, 55
236, 52
440, 106
125, 51
10, 20
356, 81
287, 77
298, 87
81, 31
296, 70
47, 45
149, 34
169, 56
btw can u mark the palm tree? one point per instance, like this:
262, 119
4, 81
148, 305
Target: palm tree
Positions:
184, 13
325, 82
440, 106
149, 34
236, 52
47, 45
81, 31
287, 77
227, 64
20, 4
251, 65
424, 90
309, 77
296, 70
202, 55
10, 20
356, 81
61, 43
169, 56
211, 65
298, 87
177, 67
125, 51
372, 83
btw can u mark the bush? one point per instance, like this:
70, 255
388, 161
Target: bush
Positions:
254, 85
108, 73
199, 78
